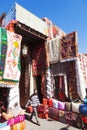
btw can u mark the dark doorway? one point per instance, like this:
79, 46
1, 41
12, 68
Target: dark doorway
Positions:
38, 84
60, 88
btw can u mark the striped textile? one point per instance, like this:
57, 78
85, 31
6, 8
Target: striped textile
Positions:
49, 84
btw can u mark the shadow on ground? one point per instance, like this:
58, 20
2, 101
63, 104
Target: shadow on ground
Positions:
65, 128
27, 117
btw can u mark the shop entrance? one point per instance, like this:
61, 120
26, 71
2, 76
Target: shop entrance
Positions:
38, 86
30, 38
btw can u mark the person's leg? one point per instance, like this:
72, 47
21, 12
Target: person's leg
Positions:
32, 115
36, 116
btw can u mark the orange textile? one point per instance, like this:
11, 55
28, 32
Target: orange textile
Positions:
19, 126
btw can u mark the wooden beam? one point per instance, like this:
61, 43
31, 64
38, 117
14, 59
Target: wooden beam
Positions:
31, 31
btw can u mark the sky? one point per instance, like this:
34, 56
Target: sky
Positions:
69, 15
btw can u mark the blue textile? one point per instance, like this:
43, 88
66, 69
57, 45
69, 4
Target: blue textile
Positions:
3, 124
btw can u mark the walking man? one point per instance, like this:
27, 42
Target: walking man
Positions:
34, 102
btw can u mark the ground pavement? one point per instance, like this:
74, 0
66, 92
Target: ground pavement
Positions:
47, 124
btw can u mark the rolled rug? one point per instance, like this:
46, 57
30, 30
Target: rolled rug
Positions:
16, 120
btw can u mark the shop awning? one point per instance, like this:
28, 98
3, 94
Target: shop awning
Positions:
29, 35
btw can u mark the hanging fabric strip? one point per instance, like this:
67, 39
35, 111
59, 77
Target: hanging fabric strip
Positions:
66, 87
53, 50
11, 70
49, 83
81, 72
3, 49
60, 81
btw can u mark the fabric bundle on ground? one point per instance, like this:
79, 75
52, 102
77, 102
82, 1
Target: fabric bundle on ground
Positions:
68, 106
50, 102
84, 119
16, 120
55, 103
61, 105
42, 111
85, 100
73, 119
19, 126
44, 101
83, 109
62, 116
75, 107
53, 113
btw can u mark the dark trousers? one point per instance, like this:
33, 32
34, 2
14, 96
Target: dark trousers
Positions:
34, 113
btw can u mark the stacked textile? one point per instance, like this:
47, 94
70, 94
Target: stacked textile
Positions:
53, 113
42, 111
17, 122
66, 112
